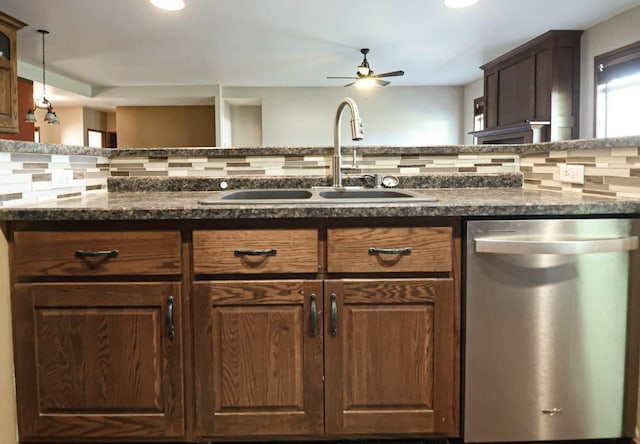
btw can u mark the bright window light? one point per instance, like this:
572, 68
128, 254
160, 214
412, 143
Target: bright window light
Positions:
95, 138
169, 5
616, 107
459, 3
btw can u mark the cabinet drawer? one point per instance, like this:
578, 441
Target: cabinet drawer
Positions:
96, 253
255, 251
392, 249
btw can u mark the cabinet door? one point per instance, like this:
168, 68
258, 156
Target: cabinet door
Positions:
390, 357
258, 358
8, 73
96, 360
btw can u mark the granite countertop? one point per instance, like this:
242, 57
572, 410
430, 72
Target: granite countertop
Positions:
479, 202
31, 147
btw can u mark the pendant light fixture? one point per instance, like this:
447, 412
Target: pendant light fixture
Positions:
43, 102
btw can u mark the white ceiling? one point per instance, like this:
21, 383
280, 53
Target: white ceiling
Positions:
285, 42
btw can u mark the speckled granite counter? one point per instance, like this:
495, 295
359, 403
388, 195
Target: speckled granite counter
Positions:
496, 202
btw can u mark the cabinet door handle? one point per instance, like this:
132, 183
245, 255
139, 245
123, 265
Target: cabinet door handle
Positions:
373, 250
171, 331
101, 253
269, 252
314, 316
334, 315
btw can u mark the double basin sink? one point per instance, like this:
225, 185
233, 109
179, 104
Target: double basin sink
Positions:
315, 195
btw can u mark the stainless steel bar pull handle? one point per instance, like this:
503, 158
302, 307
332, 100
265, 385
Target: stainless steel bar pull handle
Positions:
314, 316
269, 252
100, 253
373, 250
334, 315
506, 245
171, 332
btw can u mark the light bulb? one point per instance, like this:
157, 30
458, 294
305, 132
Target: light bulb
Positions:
459, 3
365, 82
168, 5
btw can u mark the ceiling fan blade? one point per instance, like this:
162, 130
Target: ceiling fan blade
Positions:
330, 77
389, 74
349, 84
382, 82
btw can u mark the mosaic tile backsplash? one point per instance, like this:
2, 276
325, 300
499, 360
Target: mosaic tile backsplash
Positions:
611, 172
310, 165
33, 173
35, 177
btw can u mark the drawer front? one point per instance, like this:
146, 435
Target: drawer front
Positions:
255, 251
392, 249
96, 253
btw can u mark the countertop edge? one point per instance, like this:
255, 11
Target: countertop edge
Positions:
583, 144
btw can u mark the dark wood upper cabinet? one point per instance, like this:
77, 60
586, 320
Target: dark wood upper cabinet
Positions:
9, 27
532, 93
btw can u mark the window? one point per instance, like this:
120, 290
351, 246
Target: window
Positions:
478, 114
96, 139
617, 80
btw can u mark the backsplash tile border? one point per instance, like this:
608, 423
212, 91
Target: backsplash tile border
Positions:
27, 175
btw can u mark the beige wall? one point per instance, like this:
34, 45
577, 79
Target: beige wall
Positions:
111, 122
94, 120
246, 128
8, 432
471, 91
74, 123
71, 128
165, 126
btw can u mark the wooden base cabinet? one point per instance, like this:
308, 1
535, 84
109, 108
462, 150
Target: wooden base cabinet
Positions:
202, 333
258, 358
97, 360
337, 357
390, 357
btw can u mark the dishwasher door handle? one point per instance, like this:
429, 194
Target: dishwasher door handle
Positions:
506, 245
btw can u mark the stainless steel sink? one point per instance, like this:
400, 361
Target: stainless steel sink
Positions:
364, 194
314, 196
266, 194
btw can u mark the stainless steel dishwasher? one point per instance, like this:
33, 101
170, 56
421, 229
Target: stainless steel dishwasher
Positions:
546, 305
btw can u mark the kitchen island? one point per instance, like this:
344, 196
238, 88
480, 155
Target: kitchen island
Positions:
93, 263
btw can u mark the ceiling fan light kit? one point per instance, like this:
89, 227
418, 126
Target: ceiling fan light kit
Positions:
457, 4
365, 77
168, 5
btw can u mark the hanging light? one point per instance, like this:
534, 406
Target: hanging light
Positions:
31, 116
51, 117
43, 102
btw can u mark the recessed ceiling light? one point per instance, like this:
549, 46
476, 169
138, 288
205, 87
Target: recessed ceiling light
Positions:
169, 5
459, 3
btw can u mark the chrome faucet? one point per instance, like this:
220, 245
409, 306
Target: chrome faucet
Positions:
356, 134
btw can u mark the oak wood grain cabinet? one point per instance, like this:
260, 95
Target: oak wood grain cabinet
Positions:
97, 334
9, 27
367, 347
200, 331
391, 344
258, 364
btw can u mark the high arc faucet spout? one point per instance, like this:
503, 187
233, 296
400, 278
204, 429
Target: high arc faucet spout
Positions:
356, 134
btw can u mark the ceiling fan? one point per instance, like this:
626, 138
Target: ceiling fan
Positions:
365, 74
